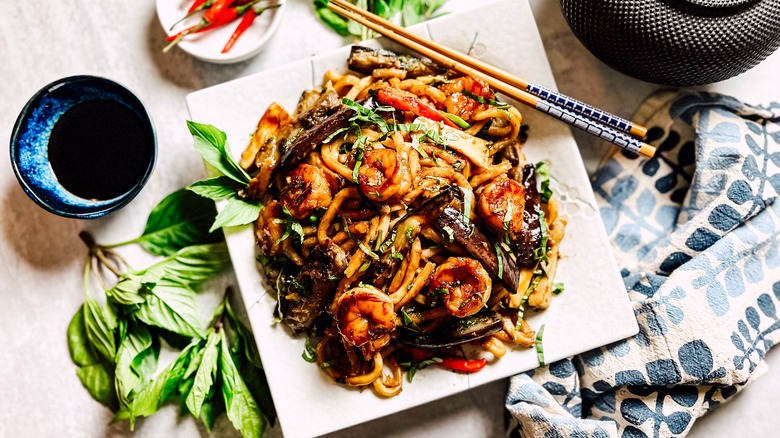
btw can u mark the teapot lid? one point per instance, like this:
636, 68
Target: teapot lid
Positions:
720, 4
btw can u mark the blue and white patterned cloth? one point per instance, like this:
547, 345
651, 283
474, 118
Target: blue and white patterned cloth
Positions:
696, 232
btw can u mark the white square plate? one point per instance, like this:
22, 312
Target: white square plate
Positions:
593, 310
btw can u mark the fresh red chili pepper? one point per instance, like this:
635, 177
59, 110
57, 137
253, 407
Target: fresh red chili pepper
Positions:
219, 7
401, 100
227, 17
195, 6
244, 25
462, 364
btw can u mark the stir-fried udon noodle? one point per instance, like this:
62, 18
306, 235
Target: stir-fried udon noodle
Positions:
402, 221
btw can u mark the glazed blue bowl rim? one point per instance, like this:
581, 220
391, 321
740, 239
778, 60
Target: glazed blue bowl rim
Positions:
97, 208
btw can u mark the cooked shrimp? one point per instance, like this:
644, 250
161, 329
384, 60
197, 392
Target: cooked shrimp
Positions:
464, 285
501, 205
381, 174
365, 317
308, 189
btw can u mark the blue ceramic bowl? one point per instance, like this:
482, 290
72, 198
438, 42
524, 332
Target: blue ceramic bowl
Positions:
30, 142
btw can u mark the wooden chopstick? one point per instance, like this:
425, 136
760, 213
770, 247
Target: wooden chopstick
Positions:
431, 50
574, 105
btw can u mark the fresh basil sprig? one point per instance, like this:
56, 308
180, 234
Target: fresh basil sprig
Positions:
411, 12
116, 344
181, 219
212, 145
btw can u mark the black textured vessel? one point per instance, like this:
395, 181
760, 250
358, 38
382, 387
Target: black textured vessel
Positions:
677, 42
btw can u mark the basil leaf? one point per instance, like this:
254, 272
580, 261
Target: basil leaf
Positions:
204, 376
181, 219
332, 19
257, 383
126, 378
236, 212
213, 406
78, 344
211, 144
411, 12
193, 264
217, 188
173, 307
98, 379
241, 408
96, 375
100, 323
128, 290
166, 385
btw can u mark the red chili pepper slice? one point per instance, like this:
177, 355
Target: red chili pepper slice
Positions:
462, 364
401, 100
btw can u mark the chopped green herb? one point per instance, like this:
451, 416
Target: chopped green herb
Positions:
396, 255
412, 367
539, 346
409, 232
359, 242
309, 353
389, 241
292, 226
557, 288
450, 233
468, 199
543, 181
484, 101
407, 320
457, 120
334, 134
541, 252
507, 221
441, 291
327, 364
378, 241
500, 258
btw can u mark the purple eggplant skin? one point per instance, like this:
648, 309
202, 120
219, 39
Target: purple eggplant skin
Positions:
531, 238
456, 332
315, 285
365, 60
383, 270
476, 243
309, 139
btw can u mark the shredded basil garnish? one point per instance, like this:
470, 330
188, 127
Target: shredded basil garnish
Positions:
485, 101
539, 346
309, 353
543, 181
468, 199
450, 233
500, 259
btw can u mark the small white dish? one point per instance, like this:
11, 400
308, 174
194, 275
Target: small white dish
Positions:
594, 310
207, 46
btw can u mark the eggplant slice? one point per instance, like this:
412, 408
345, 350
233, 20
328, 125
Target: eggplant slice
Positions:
365, 60
455, 332
531, 238
476, 243
312, 288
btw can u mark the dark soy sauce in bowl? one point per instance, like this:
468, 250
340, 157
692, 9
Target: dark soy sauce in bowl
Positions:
99, 149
